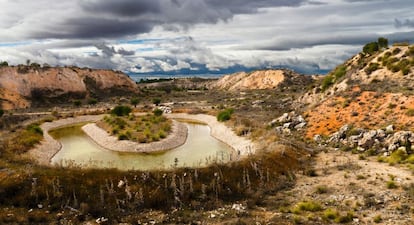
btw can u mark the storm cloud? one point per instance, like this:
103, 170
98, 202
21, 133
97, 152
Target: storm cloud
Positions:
169, 35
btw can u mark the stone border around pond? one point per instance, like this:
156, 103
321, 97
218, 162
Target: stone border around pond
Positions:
241, 145
48, 148
176, 138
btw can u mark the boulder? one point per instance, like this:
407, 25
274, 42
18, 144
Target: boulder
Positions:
389, 129
368, 139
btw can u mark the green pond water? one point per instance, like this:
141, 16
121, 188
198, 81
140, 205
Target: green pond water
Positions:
199, 150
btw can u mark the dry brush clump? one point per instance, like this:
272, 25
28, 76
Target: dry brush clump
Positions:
113, 194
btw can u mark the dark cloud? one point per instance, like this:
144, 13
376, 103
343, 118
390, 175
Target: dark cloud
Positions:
309, 41
110, 51
114, 19
121, 7
404, 23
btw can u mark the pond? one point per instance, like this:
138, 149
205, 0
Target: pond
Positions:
200, 149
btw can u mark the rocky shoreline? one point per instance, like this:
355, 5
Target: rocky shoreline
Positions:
44, 152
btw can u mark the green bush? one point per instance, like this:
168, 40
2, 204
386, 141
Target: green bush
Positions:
370, 48
134, 101
121, 110
156, 101
409, 112
330, 214
77, 103
34, 128
330, 79
345, 218
371, 68
309, 206
92, 101
225, 115
158, 112
391, 184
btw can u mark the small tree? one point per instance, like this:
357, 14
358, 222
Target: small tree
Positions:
121, 110
156, 101
4, 63
134, 101
382, 43
371, 48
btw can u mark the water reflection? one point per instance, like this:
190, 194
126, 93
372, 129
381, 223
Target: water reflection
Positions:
200, 149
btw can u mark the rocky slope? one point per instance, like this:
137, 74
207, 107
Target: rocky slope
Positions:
261, 79
367, 91
26, 86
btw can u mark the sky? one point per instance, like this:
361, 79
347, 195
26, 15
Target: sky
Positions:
198, 36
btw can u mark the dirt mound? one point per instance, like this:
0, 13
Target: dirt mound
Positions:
369, 91
257, 80
23, 86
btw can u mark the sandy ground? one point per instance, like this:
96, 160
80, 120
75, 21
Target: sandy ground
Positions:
350, 183
44, 152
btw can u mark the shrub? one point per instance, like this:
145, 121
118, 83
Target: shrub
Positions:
121, 110
370, 48
396, 51
330, 79
225, 115
346, 218
371, 68
156, 101
321, 189
77, 103
158, 112
382, 42
1, 112
309, 206
327, 82
377, 219
330, 214
391, 184
34, 128
123, 136
134, 101
4, 63
92, 101
409, 112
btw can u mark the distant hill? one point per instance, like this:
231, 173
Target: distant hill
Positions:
368, 91
26, 86
261, 79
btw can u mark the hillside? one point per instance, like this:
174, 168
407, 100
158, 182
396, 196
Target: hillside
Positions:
26, 86
368, 91
261, 79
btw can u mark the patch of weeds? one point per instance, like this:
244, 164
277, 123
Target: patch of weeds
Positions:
409, 112
360, 177
391, 184
330, 214
321, 189
309, 206
377, 219
345, 218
